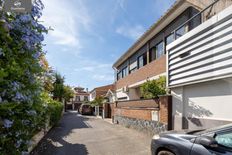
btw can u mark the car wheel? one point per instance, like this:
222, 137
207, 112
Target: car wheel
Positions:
165, 153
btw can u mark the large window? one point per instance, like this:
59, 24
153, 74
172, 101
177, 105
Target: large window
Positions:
181, 31
152, 54
133, 67
78, 98
156, 51
160, 49
119, 75
170, 38
142, 60
125, 72
122, 73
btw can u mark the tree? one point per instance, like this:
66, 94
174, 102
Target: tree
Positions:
68, 93
58, 85
154, 88
98, 101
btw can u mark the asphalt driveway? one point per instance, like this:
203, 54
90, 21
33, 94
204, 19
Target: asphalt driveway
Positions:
81, 135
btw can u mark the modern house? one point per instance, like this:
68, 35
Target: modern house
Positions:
174, 38
200, 70
146, 58
81, 96
100, 92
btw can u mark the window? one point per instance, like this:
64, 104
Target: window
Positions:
142, 60
160, 49
181, 31
86, 98
125, 72
152, 54
119, 75
133, 66
78, 98
224, 139
170, 38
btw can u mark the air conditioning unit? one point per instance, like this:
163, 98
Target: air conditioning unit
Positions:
125, 89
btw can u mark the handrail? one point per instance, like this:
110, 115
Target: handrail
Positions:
199, 13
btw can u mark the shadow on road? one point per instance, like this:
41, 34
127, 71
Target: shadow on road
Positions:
55, 143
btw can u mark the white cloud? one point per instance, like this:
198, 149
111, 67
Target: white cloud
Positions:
99, 77
93, 66
96, 70
66, 20
130, 31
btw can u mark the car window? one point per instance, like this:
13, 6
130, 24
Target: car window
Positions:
224, 139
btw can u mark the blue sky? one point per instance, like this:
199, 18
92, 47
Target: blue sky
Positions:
90, 35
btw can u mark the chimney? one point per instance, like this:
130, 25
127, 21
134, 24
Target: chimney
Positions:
87, 90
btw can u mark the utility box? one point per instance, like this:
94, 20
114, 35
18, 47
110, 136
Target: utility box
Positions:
154, 115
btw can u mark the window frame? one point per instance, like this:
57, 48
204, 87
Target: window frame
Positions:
152, 51
166, 38
124, 72
143, 57
157, 56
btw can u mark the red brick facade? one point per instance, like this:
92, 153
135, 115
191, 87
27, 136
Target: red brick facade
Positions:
164, 109
144, 114
152, 69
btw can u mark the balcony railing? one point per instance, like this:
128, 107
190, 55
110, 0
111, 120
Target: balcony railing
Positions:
204, 54
191, 20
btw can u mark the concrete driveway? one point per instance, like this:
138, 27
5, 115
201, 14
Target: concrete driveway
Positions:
82, 135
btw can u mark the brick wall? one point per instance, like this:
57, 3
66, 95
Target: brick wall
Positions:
164, 109
152, 69
150, 103
144, 114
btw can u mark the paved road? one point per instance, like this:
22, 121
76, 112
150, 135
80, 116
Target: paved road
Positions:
82, 135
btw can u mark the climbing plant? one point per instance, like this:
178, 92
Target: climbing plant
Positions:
23, 107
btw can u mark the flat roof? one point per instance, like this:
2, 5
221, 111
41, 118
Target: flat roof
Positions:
176, 9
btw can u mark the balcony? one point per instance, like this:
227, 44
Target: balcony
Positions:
202, 54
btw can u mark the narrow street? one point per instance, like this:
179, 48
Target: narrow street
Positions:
82, 135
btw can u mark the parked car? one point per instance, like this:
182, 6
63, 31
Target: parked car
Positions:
215, 141
86, 109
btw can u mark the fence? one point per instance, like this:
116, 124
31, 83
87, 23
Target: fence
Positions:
154, 115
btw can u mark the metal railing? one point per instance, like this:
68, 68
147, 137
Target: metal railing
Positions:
199, 14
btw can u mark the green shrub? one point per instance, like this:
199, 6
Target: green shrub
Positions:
55, 110
154, 88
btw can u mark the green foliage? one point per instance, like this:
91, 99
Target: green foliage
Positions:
24, 101
154, 88
98, 101
58, 85
54, 109
68, 93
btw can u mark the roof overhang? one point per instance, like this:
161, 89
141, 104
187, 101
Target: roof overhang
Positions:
176, 9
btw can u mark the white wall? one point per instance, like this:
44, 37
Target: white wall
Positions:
207, 50
92, 95
121, 94
206, 104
